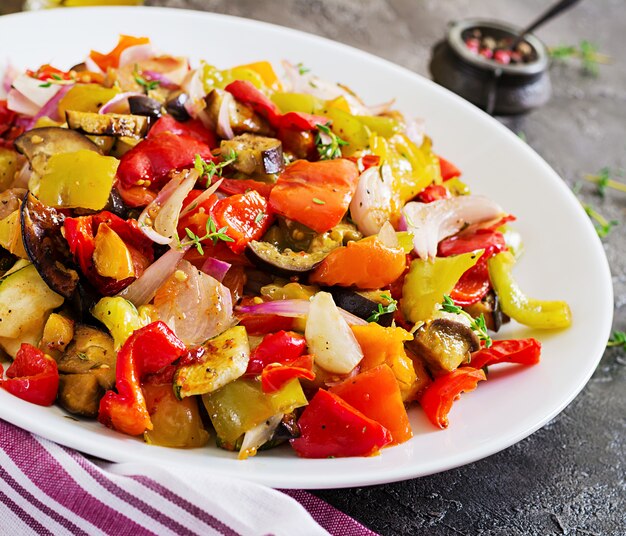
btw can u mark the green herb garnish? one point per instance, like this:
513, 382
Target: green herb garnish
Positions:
602, 225
46, 84
318, 201
259, 217
147, 85
383, 309
477, 324
302, 69
603, 180
586, 52
212, 233
328, 143
618, 339
211, 169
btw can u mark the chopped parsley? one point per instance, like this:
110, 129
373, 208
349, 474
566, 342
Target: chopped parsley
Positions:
318, 201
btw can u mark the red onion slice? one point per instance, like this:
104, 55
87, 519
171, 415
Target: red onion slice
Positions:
136, 53
216, 268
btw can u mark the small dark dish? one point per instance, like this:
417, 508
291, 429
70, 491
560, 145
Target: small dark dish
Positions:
497, 88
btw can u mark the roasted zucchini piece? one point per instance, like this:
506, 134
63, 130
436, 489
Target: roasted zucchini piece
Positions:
225, 359
133, 126
255, 154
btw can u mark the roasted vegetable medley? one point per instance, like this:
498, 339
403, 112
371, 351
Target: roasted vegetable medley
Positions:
197, 254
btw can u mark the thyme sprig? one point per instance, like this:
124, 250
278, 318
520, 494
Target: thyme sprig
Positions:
586, 52
328, 143
618, 339
212, 233
602, 225
383, 309
210, 169
477, 324
603, 179
147, 85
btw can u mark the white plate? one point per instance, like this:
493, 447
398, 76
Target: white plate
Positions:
563, 260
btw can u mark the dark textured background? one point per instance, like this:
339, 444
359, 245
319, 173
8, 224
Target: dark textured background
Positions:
567, 478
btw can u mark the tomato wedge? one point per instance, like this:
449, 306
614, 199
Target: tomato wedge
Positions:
448, 169
192, 128
316, 194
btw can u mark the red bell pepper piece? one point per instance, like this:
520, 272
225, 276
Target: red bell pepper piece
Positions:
437, 398
276, 375
246, 216
283, 347
241, 186
520, 351
301, 121
262, 324
367, 161
316, 194
80, 235
473, 284
376, 394
8, 129
146, 351
246, 93
329, 427
48, 72
149, 163
194, 128
448, 169
33, 376
431, 193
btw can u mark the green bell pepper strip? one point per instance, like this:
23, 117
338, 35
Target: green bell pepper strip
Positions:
528, 311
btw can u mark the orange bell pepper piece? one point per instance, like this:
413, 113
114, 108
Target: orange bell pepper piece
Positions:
376, 394
112, 59
386, 346
366, 264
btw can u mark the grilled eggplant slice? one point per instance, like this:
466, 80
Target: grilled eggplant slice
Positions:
145, 106
444, 343
39, 144
175, 106
46, 247
357, 304
255, 154
131, 126
287, 262
489, 306
242, 119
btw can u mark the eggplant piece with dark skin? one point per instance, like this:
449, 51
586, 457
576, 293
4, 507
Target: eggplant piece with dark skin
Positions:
489, 306
358, 305
255, 154
46, 247
145, 106
287, 262
175, 106
444, 344
86, 371
118, 125
242, 119
39, 144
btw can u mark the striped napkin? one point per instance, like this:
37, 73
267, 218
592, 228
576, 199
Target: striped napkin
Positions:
47, 489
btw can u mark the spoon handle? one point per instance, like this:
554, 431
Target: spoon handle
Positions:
550, 13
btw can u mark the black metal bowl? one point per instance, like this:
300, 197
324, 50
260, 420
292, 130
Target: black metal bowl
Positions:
497, 88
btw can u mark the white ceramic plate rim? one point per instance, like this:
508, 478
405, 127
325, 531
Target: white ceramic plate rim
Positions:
564, 243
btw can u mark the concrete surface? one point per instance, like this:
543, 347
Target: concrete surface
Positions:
567, 478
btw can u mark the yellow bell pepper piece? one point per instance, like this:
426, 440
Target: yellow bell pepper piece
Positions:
383, 126
340, 103
386, 345
111, 256
8, 167
86, 98
349, 129
297, 102
79, 179
213, 78
266, 71
528, 311
121, 317
11, 235
428, 281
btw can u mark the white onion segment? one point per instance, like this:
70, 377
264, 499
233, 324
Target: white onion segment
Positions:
371, 204
258, 436
329, 336
195, 306
159, 219
429, 223
143, 289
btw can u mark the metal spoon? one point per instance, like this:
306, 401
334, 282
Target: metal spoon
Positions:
556, 9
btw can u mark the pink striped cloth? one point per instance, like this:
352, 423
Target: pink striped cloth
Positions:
47, 489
